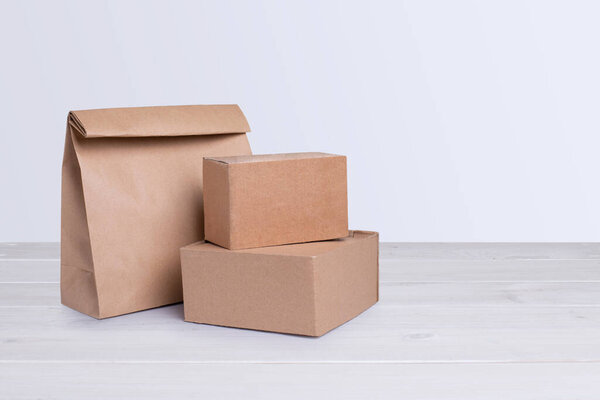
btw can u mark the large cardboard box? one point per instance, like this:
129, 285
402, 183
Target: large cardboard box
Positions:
305, 289
267, 200
132, 196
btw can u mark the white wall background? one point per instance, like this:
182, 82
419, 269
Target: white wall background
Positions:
462, 120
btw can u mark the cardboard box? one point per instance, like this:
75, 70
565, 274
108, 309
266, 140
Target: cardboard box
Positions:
305, 289
268, 200
132, 196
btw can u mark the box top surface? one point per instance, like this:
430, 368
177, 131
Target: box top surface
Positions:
299, 249
270, 157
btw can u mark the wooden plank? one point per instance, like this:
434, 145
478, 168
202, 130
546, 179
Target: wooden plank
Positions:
421, 251
475, 294
384, 333
35, 251
489, 270
47, 271
393, 271
304, 381
29, 294
490, 251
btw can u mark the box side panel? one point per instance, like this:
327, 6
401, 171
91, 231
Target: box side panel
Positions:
270, 293
189, 277
346, 282
144, 201
216, 202
290, 201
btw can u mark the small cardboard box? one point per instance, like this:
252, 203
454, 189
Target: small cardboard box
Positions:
268, 200
305, 289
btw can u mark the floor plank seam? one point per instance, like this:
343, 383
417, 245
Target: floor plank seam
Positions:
30, 259
404, 260
485, 282
381, 302
301, 362
486, 260
462, 282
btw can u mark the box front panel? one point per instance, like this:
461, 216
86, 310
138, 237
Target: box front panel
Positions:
271, 293
290, 201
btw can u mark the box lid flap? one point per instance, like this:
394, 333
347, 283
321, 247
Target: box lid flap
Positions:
159, 121
307, 249
270, 157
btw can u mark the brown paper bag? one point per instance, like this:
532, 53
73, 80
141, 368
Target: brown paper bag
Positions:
132, 196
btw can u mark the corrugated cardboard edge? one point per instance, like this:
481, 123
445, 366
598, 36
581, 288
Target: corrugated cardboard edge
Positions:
217, 217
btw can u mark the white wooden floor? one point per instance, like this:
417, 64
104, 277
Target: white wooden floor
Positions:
455, 321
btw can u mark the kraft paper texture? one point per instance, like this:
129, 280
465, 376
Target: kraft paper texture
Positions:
132, 196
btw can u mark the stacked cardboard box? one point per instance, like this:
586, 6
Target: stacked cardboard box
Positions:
278, 255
